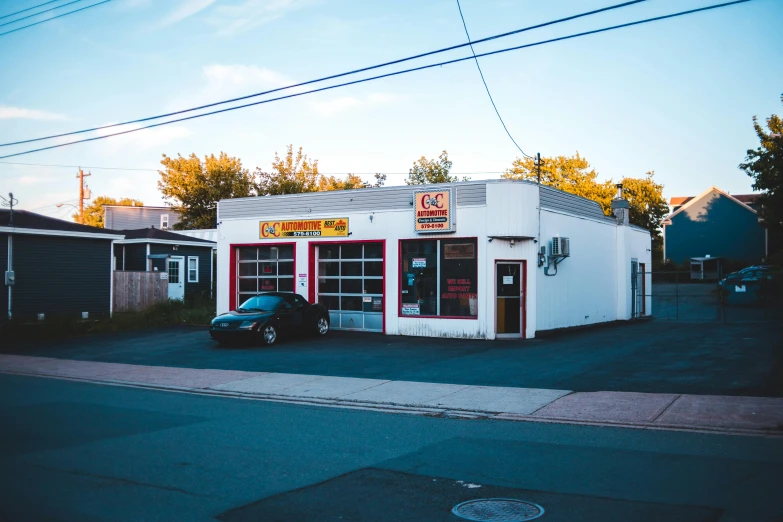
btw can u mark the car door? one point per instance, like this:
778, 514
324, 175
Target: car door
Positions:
288, 315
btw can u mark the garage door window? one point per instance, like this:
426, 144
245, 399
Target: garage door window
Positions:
264, 269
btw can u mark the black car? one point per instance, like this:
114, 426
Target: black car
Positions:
266, 316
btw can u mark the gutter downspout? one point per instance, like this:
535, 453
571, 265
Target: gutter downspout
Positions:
111, 279
10, 269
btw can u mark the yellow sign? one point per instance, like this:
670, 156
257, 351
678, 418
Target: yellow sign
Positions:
433, 211
337, 227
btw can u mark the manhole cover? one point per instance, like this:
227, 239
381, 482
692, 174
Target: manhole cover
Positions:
498, 510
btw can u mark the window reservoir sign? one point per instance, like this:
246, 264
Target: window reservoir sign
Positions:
433, 211
335, 227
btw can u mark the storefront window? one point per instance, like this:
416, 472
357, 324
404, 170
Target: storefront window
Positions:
350, 277
439, 278
264, 269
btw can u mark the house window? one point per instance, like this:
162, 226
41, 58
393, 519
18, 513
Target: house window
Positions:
164, 222
192, 270
439, 278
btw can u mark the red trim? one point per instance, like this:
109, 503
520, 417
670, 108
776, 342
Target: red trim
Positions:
232, 271
399, 280
523, 262
313, 275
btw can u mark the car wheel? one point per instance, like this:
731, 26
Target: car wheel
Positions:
269, 333
322, 326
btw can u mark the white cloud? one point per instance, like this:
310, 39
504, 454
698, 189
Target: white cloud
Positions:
142, 140
249, 14
186, 9
8, 113
345, 103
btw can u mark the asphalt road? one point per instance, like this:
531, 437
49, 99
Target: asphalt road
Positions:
77, 451
653, 357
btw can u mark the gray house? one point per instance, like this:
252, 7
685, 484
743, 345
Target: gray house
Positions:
120, 217
717, 224
188, 261
54, 268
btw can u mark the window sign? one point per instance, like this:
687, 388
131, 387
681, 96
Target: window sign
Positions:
508, 280
433, 211
443, 285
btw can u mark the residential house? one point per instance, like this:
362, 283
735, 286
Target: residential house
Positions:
128, 217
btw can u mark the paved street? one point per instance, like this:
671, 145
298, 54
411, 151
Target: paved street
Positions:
650, 357
76, 451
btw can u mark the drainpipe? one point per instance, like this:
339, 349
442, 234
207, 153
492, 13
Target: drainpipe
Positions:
10, 269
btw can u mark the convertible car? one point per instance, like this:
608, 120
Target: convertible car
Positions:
266, 317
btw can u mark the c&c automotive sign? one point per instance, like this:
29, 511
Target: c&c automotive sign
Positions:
336, 227
433, 211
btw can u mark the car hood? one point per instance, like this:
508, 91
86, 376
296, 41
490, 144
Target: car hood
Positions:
237, 317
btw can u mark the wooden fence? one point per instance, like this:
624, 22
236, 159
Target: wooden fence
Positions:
137, 291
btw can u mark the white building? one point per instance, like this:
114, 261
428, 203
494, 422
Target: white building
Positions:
472, 259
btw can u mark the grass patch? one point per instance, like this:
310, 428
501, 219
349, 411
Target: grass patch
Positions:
167, 313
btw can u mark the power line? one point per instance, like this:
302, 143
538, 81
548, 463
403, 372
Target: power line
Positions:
54, 18
29, 9
42, 12
333, 76
430, 66
487, 86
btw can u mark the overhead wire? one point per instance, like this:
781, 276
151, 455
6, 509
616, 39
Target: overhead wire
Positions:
333, 76
387, 75
486, 87
54, 17
40, 13
29, 9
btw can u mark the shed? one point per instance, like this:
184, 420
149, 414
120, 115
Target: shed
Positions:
706, 268
188, 261
54, 268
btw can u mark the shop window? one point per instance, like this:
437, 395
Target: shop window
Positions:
439, 278
350, 277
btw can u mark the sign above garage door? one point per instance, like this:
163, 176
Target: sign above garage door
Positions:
334, 227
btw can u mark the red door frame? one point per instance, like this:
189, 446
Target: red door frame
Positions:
232, 282
313, 271
523, 262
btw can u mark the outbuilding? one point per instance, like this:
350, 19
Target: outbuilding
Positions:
186, 261
483, 259
54, 268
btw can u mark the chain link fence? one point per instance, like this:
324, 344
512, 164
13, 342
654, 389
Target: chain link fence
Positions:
674, 296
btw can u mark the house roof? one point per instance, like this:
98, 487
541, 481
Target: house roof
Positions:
26, 220
162, 237
691, 200
148, 207
748, 199
679, 200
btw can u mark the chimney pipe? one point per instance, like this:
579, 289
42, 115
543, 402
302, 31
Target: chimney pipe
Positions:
620, 207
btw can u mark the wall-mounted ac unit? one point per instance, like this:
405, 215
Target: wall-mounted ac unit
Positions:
560, 247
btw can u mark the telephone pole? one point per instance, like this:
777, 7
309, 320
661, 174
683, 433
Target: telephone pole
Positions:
81, 175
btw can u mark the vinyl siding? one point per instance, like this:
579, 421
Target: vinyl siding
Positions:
4, 265
204, 255
61, 276
135, 257
131, 218
560, 201
718, 226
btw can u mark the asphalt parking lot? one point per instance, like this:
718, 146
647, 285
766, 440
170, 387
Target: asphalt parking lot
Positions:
647, 356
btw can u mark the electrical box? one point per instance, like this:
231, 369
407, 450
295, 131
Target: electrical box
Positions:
561, 247
10, 277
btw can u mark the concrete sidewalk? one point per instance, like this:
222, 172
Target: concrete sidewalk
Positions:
720, 414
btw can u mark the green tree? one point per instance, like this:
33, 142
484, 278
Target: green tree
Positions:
765, 166
194, 186
93, 213
295, 173
426, 171
572, 174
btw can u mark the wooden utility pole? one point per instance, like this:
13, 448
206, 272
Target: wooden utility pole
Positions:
81, 175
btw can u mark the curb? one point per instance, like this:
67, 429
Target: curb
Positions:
447, 413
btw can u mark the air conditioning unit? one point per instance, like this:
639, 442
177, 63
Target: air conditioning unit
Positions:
560, 247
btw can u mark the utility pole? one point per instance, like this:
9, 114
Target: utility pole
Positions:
538, 166
81, 175
10, 202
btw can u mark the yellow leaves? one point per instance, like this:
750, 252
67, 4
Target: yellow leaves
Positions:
93, 213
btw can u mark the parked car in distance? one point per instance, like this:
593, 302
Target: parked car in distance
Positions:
265, 317
748, 274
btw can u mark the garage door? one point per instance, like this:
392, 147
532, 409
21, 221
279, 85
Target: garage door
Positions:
350, 284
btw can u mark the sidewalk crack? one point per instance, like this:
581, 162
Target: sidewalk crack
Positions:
664, 410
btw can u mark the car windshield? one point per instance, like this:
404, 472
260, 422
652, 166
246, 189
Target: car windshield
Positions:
261, 303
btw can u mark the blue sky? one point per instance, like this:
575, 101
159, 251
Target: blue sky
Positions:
676, 96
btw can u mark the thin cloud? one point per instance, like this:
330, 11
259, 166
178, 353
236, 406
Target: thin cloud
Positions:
185, 10
19, 113
250, 14
346, 103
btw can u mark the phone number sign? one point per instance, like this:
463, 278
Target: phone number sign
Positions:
336, 227
433, 211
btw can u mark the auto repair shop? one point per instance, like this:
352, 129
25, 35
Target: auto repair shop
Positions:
475, 259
